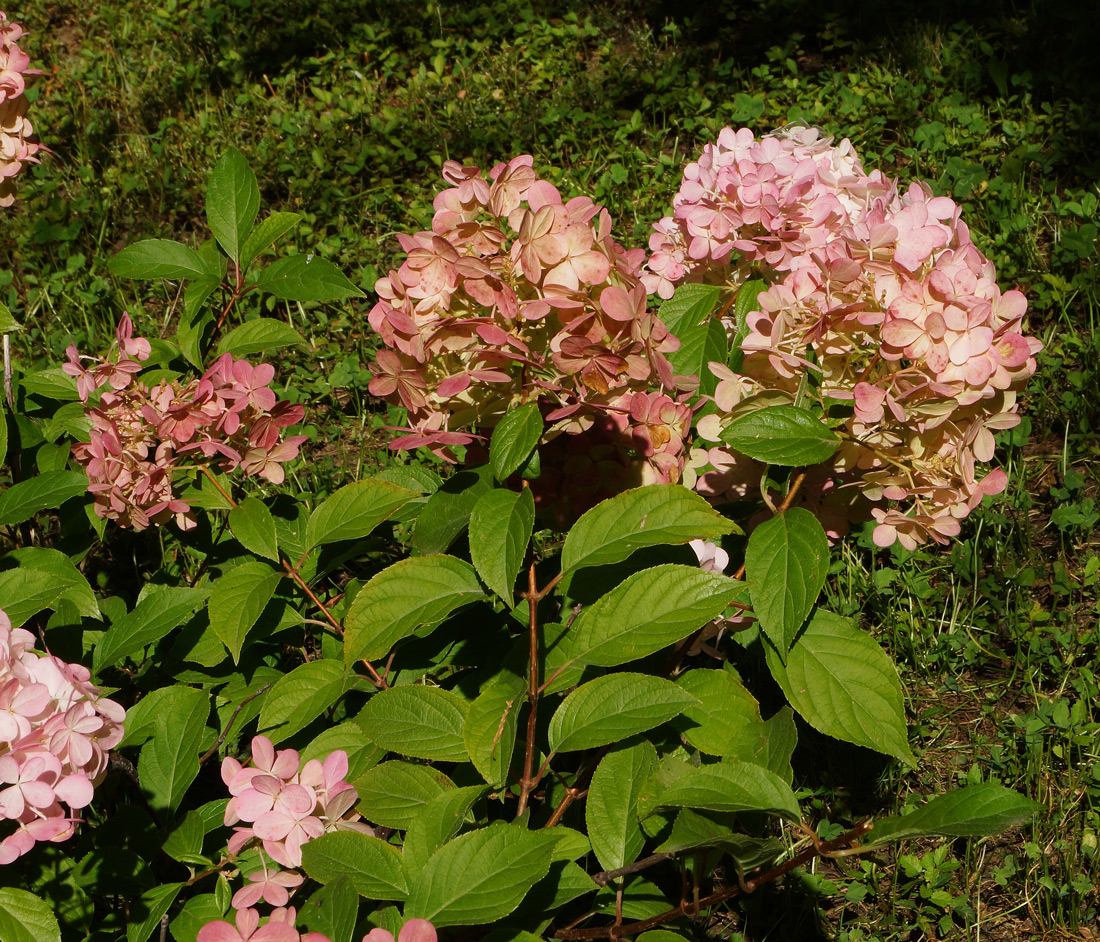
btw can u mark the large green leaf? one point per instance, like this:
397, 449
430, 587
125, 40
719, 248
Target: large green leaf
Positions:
349, 736
481, 876
514, 438
609, 709
56, 563
786, 562
490, 729
270, 229
158, 258
500, 529
306, 278
392, 793
412, 594
26, 592
153, 904
260, 335
332, 910
972, 811
254, 527
646, 612
447, 512
690, 305
730, 786
610, 811
727, 719
232, 202
424, 722
784, 435
43, 492
26, 918
844, 685
654, 515
158, 612
169, 761
435, 824
701, 344
354, 511
372, 865
298, 698
238, 600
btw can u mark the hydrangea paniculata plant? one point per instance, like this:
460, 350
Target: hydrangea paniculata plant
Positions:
17, 144
142, 435
55, 733
517, 295
282, 804
877, 300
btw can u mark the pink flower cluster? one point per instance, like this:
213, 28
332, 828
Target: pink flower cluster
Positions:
143, 436
17, 144
877, 298
55, 732
283, 804
516, 296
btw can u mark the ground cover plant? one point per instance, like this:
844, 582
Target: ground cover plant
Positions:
215, 623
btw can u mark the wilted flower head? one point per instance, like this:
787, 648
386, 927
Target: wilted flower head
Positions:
55, 733
875, 298
517, 295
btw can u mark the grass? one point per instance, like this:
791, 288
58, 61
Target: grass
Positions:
346, 111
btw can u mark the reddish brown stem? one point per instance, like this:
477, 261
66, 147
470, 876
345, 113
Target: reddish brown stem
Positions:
529, 780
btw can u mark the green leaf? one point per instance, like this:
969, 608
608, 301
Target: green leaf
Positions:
23, 500
4, 434
185, 842
372, 865
260, 335
8, 322
786, 562
196, 913
332, 910
27, 592
254, 527
306, 278
447, 512
727, 714
423, 722
610, 808
238, 599
192, 327
784, 435
514, 438
410, 595
701, 344
730, 786
169, 762
971, 811
153, 904
609, 709
490, 730
500, 530
392, 793
26, 918
689, 306
56, 563
435, 824
298, 698
646, 612
52, 383
744, 304
654, 515
232, 201
481, 876
354, 511
158, 258
361, 752
160, 611
844, 685
270, 229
